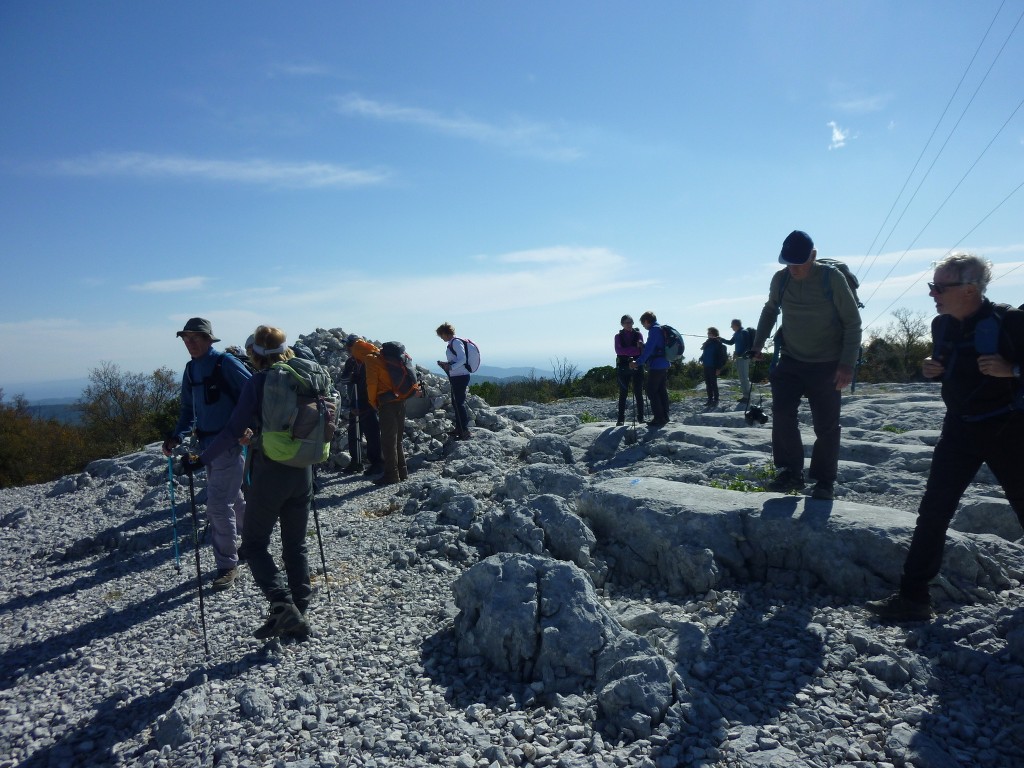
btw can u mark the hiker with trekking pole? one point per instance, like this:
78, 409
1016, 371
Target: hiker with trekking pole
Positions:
210, 387
293, 403
362, 418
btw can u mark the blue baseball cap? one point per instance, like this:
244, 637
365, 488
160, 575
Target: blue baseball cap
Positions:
796, 248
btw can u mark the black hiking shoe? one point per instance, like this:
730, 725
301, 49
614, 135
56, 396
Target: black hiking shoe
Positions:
824, 490
787, 480
373, 469
284, 618
225, 579
899, 609
352, 467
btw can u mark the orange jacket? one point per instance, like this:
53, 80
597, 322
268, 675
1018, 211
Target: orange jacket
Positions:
377, 378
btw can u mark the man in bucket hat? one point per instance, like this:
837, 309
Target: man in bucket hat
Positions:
209, 390
821, 323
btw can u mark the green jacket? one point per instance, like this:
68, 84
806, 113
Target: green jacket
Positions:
817, 328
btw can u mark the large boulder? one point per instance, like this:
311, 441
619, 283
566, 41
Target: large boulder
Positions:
539, 621
683, 538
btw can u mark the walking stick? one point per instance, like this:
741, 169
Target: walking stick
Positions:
199, 572
174, 513
359, 432
319, 538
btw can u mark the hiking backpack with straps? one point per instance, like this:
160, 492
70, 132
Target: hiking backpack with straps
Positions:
721, 355
472, 353
986, 342
299, 414
830, 264
674, 344
401, 371
750, 334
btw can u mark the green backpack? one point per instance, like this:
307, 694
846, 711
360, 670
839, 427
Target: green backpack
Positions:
299, 415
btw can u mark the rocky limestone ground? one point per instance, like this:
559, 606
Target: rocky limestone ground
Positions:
557, 591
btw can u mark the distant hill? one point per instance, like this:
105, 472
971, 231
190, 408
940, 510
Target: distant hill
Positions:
496, 374
61, 409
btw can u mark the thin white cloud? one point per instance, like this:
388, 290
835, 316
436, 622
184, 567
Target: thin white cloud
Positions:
145, 165
172, 286
864, 104
301, 70
839, 135
520, 135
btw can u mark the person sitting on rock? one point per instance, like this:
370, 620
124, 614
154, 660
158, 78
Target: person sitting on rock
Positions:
978, 349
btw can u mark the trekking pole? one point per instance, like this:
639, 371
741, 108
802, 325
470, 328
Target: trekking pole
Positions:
174, 513
199, 572
320, 538
359, 431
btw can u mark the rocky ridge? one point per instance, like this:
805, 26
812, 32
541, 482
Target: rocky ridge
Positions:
557, 591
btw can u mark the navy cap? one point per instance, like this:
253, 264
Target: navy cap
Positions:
796, 248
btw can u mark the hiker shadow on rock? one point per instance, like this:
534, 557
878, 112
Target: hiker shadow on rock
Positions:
972, 683
615, 448
465, 682
755, 665
112, 565
119, 718
56, 652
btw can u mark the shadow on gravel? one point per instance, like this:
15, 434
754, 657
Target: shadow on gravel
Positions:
112, 565
41, 656
971, 686
464, 687
759, 661
117, 720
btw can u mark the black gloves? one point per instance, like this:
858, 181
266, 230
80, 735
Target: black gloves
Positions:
191, 463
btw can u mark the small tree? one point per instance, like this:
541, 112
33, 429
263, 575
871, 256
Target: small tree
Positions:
896, 353
122, 411
566, 374
37, 450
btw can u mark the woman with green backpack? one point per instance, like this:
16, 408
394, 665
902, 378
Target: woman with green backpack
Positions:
281, 488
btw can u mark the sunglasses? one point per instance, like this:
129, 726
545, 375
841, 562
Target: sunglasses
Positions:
943, 287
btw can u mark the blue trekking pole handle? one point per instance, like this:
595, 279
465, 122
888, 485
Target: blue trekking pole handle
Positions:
174, 513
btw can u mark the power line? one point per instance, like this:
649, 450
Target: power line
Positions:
943, 147
928, 143
999, 205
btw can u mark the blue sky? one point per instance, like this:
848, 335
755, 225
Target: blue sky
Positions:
529, 171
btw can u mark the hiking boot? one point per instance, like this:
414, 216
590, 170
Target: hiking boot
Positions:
384, 480
225, 579
619, 423
787, 480
373, 469
284, 618
352, 467
824, 490
898, 609
464, 435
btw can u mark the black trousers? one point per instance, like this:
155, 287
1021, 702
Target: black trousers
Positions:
627, 376
961, 450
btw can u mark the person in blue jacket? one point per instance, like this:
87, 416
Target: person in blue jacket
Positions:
210, 388
713, 357
741, 341
657, 364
